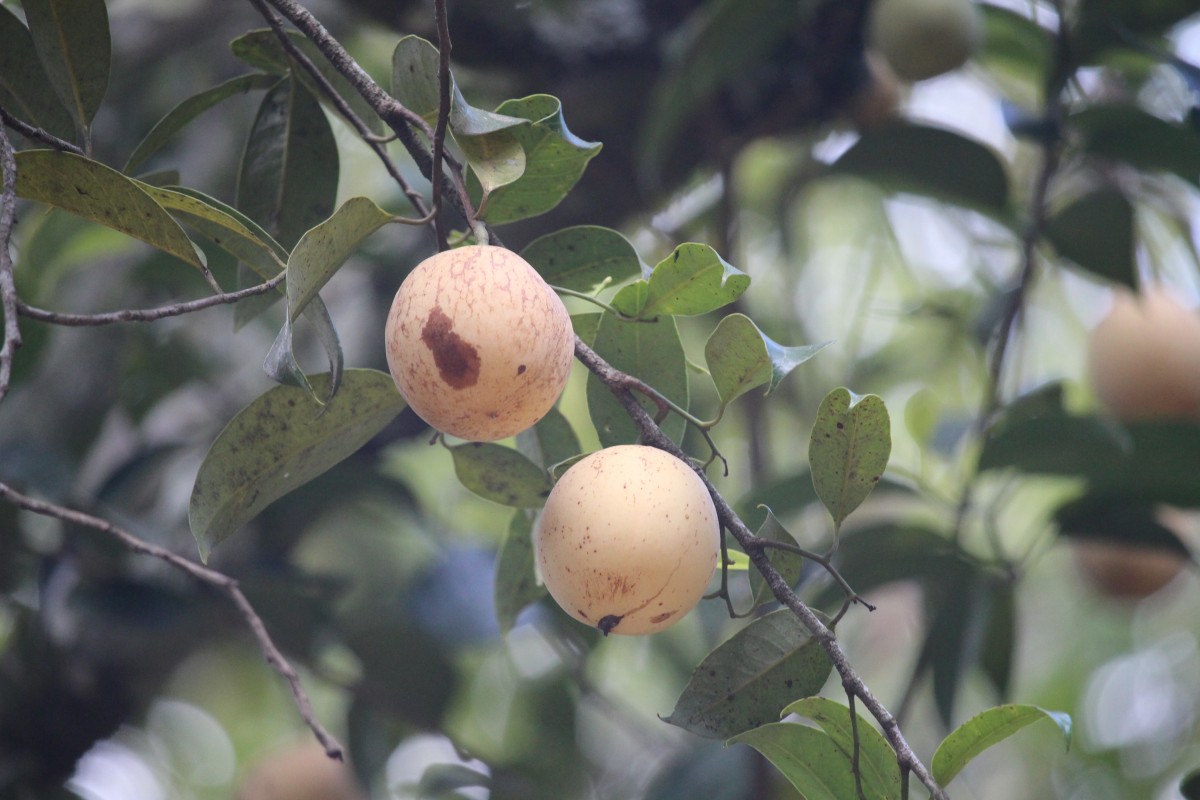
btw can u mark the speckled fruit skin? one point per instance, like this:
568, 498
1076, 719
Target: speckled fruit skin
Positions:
478, 344
1144, 358
628, 540
925, 38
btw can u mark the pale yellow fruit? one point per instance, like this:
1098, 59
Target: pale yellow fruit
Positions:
925, 38
301, 771
628, 540
478, 344
1144, 358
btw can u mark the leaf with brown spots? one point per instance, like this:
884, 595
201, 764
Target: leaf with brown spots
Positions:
848, 450
501, 474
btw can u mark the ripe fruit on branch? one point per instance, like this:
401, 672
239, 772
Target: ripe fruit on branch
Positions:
1144, 358
925, 38
478, 344
628, 540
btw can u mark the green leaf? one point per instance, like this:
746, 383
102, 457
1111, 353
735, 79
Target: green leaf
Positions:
930, 161
877, 760
25, 89
501, 474
1096, 231
741, 357
692, 280
986, 729
1189, 787
998, 649
516, 578
72, 39
288, 177
323, 249
279, 442
99, 193
810, 759
551, 441
875, 556
1018, 52
281, 364
750, 677
554, 161
179, 116
1098, 516
415, 76
651, 351
790, 565
848, 450
959, 603
1140, 139
261, 48
583, 257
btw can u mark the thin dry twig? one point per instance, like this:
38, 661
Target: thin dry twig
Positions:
211, 577
443, 117
36, 134
8, 288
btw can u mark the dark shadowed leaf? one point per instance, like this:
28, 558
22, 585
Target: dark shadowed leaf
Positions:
930, 161
288, 177
72, 39
748, 680
1190, 786
1100, 517
549, 442
1000, 638
692, 280
810, 759
710, 771
25, 89
179, 116
1140, 139
959, 601
583, 257
877, 761
790, 565
651, 351
876, 556
99, 193
1018, 51
741, 357
1096, 231
501, 474
278, 443
848, 449
986, 729
516, 579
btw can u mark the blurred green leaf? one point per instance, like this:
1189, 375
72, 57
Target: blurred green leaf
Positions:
651, 351
930, 161
741, 357
694, 279
959, 600
998, 652
99, 193
1096, 231
278, 443
501, 474
986, 729
585, 326
25, 89
848, 450
790, 565
551, 441
1097, 516
287, 181
877, 760
1140, 139
186, 111
710, 771
810, 759
72, 39
516, 576
583, 257
554, 161
1189, 787
1018, 51
876, 556
1105, 24
261, 48
748, 679
405, 671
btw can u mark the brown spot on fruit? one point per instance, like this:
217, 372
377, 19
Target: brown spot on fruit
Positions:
657, 618
457, 360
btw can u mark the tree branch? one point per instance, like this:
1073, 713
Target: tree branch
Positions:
205, 575
37, 134
618, 382
8, 287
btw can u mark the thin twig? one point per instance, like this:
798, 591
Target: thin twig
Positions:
827, 564
8, 286
617, 381
443, 117
146, 314
37, 134
211, 577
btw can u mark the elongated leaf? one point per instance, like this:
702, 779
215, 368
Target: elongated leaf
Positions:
278, 443
72, 39
554, 161
692, 280
848, 449
741, 357
516, 578
1140, 139
179, 116
1096, 231
501, 474
790, 565
25, 89
99, 193
323, 249
747, 680
810, 759
289, 171
651, 351
877, 761
261, 48
986, 729
583, 257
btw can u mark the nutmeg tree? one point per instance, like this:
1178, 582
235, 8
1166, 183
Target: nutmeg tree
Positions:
441, 356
